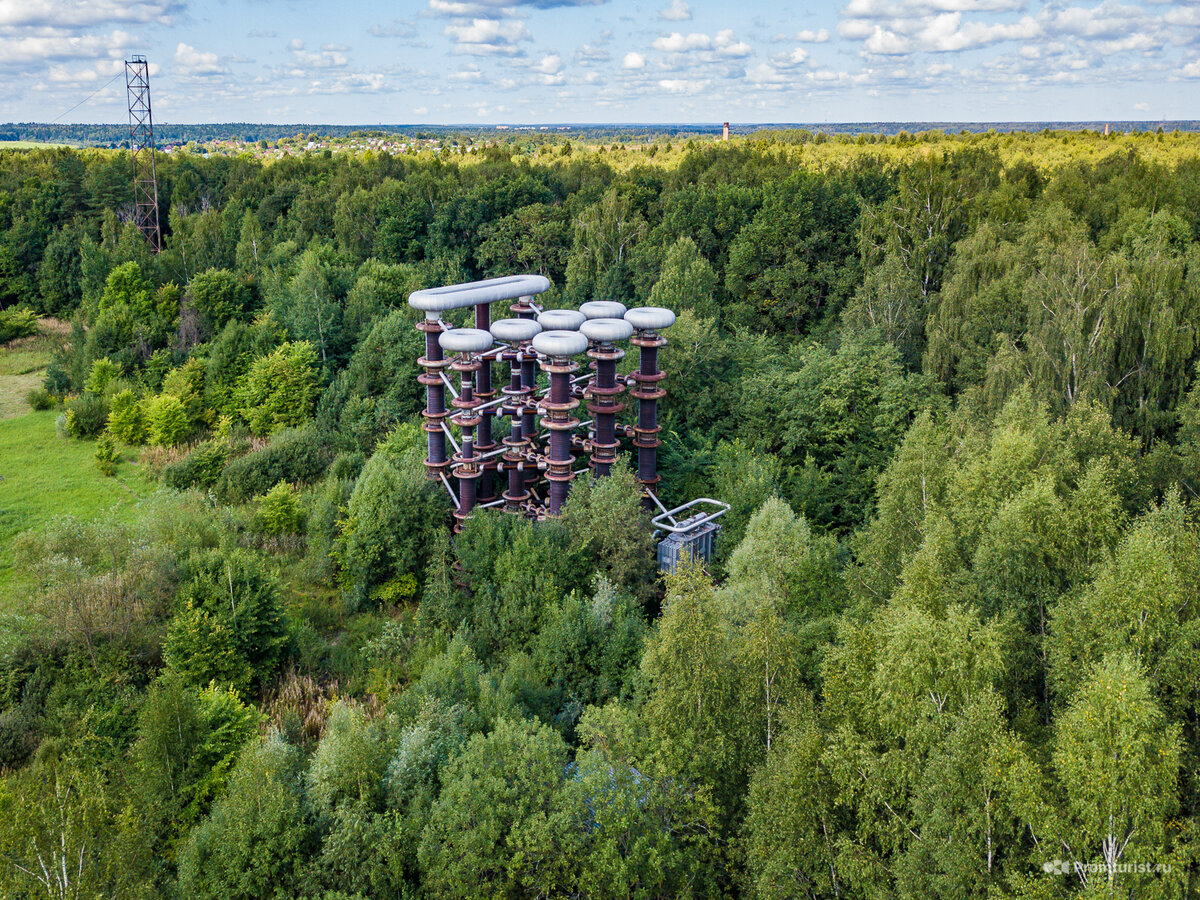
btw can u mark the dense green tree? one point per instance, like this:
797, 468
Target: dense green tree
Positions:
796, 260
691, 708
256, 841
388, 524
166, 420
279, 390
687, 281
188, 742
229, 625
1116, 759
794, 818
495, 830
611, 530
217, 296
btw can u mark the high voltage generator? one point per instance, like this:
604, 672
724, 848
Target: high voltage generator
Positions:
548, 445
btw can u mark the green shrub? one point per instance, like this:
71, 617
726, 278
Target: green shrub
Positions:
218, 296
386, 531
17, 322
259, 837
199, 469
347, 465
126, 418
166, 420
86, 415
299, 456
18, 738
39, 398
279, 510
187, 383
104, 372
228, 627
107, 455
280, 389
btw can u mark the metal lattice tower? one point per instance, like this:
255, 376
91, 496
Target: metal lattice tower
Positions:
141, 146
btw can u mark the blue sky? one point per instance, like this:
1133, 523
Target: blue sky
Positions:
538, 61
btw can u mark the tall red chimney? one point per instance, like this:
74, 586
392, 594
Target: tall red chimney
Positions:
725, 132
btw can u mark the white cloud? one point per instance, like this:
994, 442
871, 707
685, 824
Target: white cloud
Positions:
420, 110
808, 36
351, 83
675, 42
190, 61
1188, 16
471, 74
905, 9
765, 75
633, 60
551, 64
947, 33
498, 9
724, 43
887, 43
678, 11
1191, 70
587, 54
60, 74
488, 37
549, 69
1142, 106
26, 52
727, 45
398, 28
330, 56
69, 14
797, 57
681, 86
1108, 20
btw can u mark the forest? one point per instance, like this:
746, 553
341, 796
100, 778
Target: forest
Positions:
947, 646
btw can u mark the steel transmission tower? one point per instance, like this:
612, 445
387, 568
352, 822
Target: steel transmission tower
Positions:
141, 146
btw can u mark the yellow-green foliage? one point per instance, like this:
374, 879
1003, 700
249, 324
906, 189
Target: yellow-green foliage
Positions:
127, 418
104, 372
107, 455
166, 420
279, 510
280, 389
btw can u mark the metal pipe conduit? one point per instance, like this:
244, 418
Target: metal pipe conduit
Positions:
472, 293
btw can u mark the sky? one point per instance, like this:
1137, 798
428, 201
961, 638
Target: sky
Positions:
603, 61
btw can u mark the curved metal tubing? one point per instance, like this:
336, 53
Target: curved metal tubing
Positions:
490, 290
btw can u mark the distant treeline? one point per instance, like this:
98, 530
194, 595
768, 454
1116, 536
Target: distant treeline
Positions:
100, 135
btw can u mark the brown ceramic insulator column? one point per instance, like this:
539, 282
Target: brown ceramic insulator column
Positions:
517, 334
647, 392
560, 423
484, 443
649, 321
434, 414
556, 349
467, 343
603, 390
467, 468
522, 308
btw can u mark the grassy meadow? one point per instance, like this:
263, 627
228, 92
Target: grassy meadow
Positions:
43, 474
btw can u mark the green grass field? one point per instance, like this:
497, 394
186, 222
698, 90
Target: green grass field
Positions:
31, 145
21, 369
43, 475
